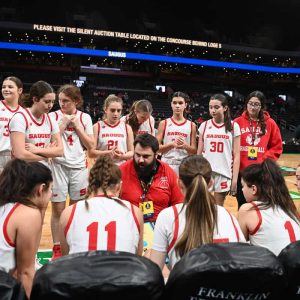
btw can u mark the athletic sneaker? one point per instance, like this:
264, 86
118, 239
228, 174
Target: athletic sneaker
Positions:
56, 252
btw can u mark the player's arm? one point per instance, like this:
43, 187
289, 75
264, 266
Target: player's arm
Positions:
243, 216
54, 149
158, 257
64, 122
129, 141
152, 124
201, 138
140, 218
160, 240
86, 139
27, 242
163, 148
94, 152
192, 147
236, 164
17, 140
63, 221
200, 145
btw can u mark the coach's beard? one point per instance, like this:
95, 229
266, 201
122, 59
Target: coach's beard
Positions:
145, 173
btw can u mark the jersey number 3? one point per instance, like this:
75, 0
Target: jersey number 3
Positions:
110, 228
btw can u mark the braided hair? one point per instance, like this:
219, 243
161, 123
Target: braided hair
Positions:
104, 174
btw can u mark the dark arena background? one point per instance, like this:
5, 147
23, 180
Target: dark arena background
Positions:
148, 49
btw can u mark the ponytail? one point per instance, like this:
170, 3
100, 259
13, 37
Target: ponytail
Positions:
201, 213
138, 106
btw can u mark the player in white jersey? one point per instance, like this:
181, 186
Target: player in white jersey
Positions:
12, 89
111, 135
197, 221
70, 172
33, 135
103, 222
139, 118
219, 142
177, 135
25, 189
269, 218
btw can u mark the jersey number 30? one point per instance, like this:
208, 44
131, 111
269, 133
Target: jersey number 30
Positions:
216, 147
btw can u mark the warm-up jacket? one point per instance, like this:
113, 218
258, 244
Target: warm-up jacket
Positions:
269, 145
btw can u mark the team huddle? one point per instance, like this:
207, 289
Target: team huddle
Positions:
174, 179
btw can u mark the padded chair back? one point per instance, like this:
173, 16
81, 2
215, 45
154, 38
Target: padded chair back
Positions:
10, 288
99, 275
226, 271
290, 259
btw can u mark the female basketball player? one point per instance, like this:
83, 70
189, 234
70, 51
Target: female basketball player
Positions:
197, 221
219, 142
70, 172
12, 89
33, 135
25, 189
177, 135
112, 136
270, 218
139, 118
103, 222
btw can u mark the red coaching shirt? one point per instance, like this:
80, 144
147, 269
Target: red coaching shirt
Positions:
164, 190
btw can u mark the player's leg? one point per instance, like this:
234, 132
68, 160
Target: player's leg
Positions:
78, 184
59, 195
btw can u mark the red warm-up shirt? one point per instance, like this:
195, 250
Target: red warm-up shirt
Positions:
164, 190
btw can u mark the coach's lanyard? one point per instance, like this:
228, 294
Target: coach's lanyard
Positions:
253, 131
147, 207
145, 188
253, 150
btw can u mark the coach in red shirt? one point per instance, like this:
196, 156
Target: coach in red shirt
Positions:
148, 182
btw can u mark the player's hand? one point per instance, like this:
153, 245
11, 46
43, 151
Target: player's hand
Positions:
180, 142
147, 253
65, 121
52, 145
117, 153
31, 148
74, 121
233, 189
